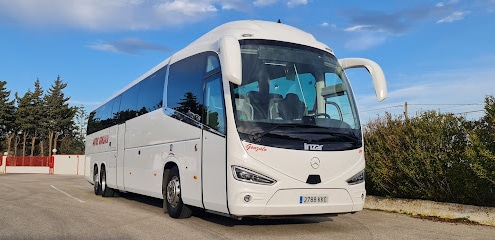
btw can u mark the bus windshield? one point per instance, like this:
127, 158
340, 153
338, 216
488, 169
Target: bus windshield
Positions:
294, 97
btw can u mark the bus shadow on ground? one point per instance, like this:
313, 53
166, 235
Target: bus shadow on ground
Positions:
271, 221
231, 222
151, 201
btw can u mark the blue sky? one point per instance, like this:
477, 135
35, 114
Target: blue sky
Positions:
435, 54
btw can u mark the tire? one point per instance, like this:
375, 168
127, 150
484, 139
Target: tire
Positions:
96, 181
172, 199
105, 190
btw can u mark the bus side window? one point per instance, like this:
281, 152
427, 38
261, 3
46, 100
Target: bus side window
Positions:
151, 92
104, 113
128, 104
185, 88
215, 108
212, 64
92, 123
115, 110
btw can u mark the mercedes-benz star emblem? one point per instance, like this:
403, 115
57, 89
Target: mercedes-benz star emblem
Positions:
315, 162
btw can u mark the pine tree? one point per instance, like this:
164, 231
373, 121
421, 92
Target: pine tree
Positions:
7, 111
60, 116
24, 120
38, 114
80, 134
29, 116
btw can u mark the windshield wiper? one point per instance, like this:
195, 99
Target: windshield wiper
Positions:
349, 136
258, 136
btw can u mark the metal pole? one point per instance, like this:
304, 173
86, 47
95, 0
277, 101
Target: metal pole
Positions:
405, 110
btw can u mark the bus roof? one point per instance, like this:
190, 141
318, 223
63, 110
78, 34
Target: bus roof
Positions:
244, 29
251, 29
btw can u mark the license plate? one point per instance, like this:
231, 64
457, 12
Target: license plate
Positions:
313, 199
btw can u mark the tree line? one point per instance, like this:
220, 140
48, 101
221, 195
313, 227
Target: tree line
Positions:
39, 121
433, 156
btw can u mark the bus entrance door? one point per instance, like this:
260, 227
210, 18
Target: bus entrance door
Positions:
214, 173
214, 162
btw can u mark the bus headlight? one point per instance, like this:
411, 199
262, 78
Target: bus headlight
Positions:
246, 175
356, 179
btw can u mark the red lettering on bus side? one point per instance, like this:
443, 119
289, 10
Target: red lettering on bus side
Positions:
255, 148
101, 140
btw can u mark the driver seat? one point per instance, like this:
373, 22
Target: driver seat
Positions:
291, 108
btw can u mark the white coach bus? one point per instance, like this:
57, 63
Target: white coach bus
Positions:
252, 119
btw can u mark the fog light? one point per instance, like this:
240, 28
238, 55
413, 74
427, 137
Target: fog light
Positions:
247, 198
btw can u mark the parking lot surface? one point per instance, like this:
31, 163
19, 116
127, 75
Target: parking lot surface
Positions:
38, 206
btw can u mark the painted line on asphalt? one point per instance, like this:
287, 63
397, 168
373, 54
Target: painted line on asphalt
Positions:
68, 195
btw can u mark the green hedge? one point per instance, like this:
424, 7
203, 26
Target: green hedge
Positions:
433, 156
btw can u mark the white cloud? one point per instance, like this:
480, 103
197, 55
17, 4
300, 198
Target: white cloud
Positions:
364, 41
262, 3
328, 25
126, 45
239, 5
185, 7
104, 15
293, 3
455, 16
92, 14
102, 46
357, 28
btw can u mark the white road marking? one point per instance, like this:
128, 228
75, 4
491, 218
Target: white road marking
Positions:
68, 195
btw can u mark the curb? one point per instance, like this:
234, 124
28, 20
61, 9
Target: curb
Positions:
481, 215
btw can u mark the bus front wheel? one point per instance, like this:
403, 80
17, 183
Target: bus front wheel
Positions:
172, 196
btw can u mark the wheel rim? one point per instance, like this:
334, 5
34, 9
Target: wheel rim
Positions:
103, 180
173, 191
96, 180
95, 177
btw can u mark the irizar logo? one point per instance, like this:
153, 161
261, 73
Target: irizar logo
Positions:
313, 147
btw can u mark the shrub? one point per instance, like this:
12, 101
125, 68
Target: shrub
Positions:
433, 156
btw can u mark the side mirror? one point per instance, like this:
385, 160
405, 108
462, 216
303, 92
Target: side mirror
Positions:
230, 59
373, 68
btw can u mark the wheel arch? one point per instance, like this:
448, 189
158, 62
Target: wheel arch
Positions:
166, 171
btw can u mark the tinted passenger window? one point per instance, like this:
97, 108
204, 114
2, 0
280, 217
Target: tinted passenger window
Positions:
212, 64
141, 98
116, 109
214, 105
104, 113
185, 88
101, 118
151, 92
128, 104
92, 123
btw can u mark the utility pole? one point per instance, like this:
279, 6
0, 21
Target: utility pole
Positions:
405, 110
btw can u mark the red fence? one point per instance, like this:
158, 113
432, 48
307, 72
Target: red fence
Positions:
35, 161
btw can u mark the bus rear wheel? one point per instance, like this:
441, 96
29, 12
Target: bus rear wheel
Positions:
105, 190
172, 196
96, 181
